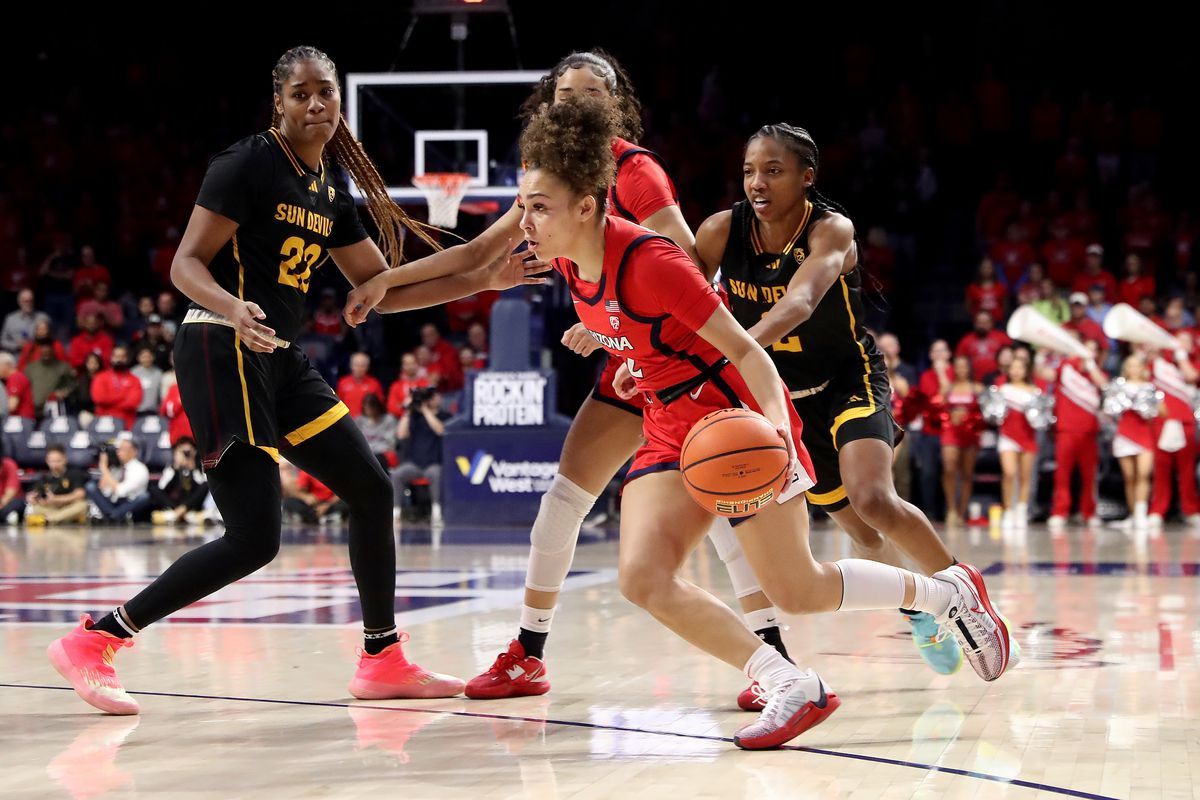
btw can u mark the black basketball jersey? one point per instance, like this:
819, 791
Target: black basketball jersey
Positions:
831, 341
288, 217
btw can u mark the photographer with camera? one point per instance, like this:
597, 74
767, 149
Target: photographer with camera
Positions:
180, 493
120, 493
59, 495
420, 433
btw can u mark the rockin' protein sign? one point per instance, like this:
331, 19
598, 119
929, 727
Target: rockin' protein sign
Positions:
504, 399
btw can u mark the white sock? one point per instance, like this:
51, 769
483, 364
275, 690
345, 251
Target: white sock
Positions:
763, 618
867, 585
536, 619
770, 669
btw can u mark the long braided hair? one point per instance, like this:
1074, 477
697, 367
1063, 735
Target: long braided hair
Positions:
348, 153
616, 79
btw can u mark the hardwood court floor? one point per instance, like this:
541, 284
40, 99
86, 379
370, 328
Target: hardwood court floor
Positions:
244, 695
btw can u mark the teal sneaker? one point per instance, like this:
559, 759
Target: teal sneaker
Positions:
937, 647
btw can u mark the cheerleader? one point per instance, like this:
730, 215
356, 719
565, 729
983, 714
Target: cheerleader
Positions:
1133, 446
1017, 443
961, 425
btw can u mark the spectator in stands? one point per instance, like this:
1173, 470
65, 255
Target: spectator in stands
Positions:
1149, 308
51, 379
477, 340
1134, 286
155, 338
120, 493
327, 319
171, 410
3, 405
358, 384
1051, 302
411, 377
12, 502
90, 339
1004, 359
443, 358
80, 402
420, 434
981, 345
107, 310
180, 493
1029, 286
90, 274
1063, 254
30, 351
1098, 307
167, 308
150, 376
60, 494
468, 360
1087, 328
19, 324
903, 380
379, 429
429, 370
307, 498
115, 391
1095, 274
467, 311
1176, 317
16, 386
986, 293
1013, 255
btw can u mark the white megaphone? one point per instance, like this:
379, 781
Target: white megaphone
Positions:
1029, 325
1126, 323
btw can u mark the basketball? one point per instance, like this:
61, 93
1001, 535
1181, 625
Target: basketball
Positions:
733, 462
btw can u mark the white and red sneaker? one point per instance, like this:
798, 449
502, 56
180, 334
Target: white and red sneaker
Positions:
388, 675
84, 657
753, 698
982, 632
512, 674
792, 708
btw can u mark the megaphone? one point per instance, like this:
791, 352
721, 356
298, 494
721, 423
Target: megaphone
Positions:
1126, 323
1029, 325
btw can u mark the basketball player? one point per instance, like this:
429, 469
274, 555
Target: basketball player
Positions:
268, 214
687, 356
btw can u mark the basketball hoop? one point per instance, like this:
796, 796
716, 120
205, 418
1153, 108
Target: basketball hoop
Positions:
443, 192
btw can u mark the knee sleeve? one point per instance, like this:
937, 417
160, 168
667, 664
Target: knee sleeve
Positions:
555, 532
745, 582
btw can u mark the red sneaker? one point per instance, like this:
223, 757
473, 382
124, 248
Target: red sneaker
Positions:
513, 674
752, 698
84, 658
388, 675
792, 708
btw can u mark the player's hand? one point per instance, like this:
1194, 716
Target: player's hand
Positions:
579, 340
512, 269
255, 336
624, 384
785, 433
361, 300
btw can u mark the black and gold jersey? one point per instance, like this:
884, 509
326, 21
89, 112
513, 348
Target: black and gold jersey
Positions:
288, 217
831, 342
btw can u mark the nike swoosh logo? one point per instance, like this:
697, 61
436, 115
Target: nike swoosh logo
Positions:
540, 619
770, 619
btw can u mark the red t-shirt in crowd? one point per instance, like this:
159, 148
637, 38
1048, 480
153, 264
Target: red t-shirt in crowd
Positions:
99, 343
445, 363
1132, 290
177, 421
327, 323
307, 483
87, 277
1063, 259
117, 394
1013, 258
992, 299
9, 479
982, 351
17, 385
401, 390
1084, 282
29, 352
1089, 330
352, 391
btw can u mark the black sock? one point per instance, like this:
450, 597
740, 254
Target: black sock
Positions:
375, 641
109, 624
533, 642
773, 637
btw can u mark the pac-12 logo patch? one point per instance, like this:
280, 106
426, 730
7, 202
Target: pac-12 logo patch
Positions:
332, 193
799, 255
615, 321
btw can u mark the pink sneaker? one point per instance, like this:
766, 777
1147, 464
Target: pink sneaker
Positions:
389, 675
84, 658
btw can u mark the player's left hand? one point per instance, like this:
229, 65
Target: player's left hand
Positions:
512, 269
624, 384
361, 300
785, 433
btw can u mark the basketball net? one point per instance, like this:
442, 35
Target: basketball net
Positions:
443, 192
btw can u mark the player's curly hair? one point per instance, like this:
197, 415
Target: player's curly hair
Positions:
602, 65
573, 142
349, 154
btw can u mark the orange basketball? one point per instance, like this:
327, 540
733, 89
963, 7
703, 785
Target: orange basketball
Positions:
733, 462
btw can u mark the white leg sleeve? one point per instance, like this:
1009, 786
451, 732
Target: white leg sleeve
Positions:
555, 532
745, 582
